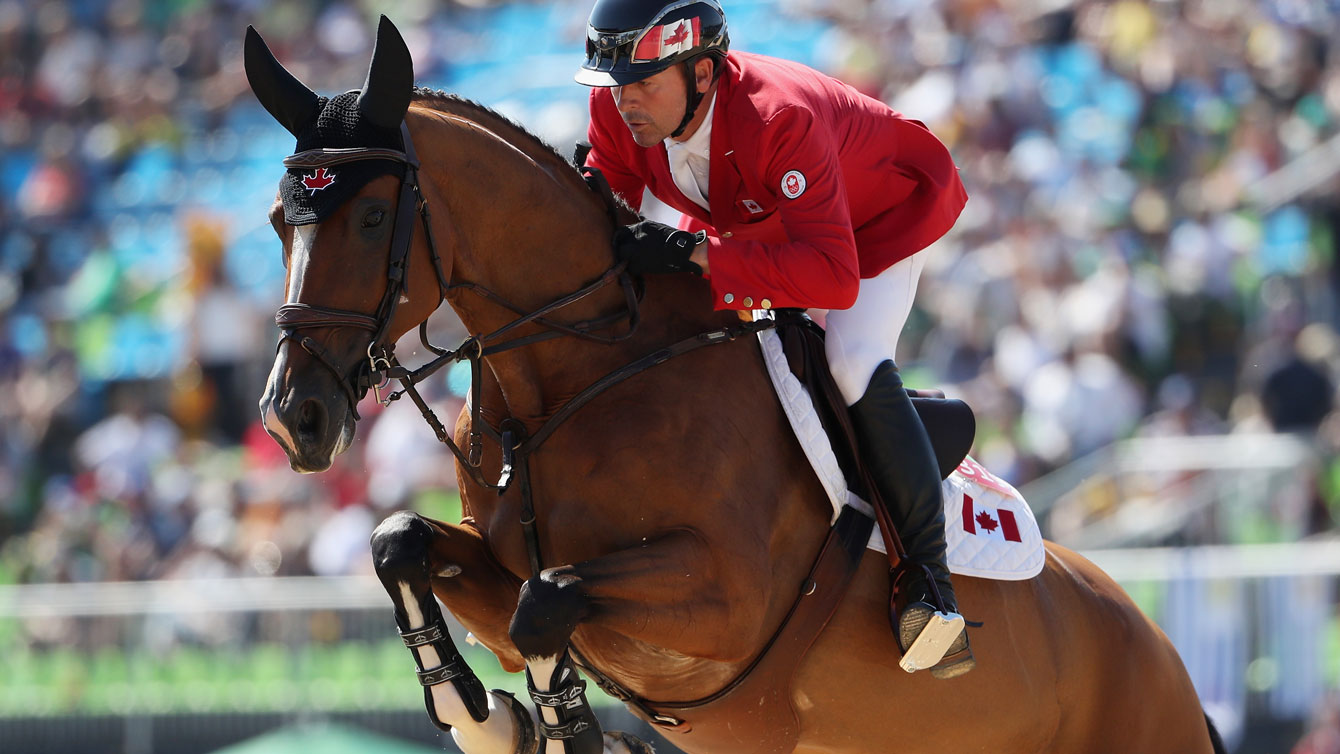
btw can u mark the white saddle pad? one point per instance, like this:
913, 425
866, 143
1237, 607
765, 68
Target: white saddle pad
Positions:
989, 528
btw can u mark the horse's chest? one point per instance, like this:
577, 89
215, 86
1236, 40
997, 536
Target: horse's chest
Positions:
565, 533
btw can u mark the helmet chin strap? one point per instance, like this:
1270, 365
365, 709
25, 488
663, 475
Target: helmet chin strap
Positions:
695, 96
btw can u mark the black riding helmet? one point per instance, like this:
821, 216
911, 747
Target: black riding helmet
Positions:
629, 40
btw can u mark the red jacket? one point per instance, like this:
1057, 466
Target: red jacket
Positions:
813, 185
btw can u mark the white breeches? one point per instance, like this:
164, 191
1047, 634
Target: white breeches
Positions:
866, 335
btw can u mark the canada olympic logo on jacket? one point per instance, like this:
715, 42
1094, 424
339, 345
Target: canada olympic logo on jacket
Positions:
793, 184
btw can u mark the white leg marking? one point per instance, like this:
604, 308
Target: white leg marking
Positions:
541, 671
446, 702
494, 735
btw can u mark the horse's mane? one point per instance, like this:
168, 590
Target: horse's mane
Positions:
538, 149
516, 133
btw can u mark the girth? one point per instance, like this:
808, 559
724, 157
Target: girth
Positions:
753, 714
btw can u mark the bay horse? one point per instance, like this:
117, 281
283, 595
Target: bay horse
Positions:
661, 534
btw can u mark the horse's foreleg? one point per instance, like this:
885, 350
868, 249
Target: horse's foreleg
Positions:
547, 613
652, 592
481, 722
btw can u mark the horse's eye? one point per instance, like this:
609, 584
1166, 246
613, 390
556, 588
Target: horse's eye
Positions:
373, 218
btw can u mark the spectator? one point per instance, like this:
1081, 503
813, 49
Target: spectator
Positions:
1133, 251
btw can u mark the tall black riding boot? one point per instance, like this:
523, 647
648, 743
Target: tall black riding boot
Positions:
902, 463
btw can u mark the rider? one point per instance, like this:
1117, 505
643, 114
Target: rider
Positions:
803, 193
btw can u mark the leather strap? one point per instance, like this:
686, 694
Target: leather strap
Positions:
443, 673
753, 713
422, 636
563, 731
571, 697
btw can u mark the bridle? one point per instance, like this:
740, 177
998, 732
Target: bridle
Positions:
516, 443
381, 366
294, 317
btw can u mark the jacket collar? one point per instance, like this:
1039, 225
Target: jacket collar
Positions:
723, 176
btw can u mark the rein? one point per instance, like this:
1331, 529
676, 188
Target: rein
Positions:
382, 366
292, 318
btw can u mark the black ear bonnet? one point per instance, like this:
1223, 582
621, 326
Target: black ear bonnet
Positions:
368, 118
310, 196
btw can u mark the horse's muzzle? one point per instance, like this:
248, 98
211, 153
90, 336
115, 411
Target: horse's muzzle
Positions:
312, 426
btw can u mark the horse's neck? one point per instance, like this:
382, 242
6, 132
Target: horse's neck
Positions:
526, 229
538, 379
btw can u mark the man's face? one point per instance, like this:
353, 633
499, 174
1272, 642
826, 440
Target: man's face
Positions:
653, 107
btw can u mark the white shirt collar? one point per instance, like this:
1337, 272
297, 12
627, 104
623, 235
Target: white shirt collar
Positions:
700, 143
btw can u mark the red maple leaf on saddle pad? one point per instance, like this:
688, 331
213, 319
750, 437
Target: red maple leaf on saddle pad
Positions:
983, 517
977, 519
318, 180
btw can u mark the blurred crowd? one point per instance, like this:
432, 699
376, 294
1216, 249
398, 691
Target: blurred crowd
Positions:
1148, 249
1149, 245
138, 277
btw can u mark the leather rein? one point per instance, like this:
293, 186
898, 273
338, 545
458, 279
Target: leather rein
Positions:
381, 366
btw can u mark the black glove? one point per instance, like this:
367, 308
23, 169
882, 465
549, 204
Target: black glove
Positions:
652, 247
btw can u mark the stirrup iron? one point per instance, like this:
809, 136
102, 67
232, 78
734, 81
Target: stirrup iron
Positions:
938, 632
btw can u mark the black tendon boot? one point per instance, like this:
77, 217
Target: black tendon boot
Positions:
577, 726
902, 463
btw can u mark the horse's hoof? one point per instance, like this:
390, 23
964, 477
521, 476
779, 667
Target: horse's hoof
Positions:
618, 742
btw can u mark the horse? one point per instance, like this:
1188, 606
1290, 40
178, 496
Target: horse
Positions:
660, 533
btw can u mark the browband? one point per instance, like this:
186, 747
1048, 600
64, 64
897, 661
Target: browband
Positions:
324, 157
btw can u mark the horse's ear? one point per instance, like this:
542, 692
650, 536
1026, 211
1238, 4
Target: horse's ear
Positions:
390, 82
287, 98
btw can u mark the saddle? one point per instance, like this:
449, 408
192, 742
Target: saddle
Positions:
950, 423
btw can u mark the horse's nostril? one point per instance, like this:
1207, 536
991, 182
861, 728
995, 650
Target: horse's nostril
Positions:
311, 420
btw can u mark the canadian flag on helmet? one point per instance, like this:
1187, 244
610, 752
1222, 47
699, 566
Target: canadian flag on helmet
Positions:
665, 40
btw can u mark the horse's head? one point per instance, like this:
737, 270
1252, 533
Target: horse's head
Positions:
345, 214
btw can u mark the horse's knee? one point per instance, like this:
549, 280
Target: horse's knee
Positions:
400, 549
548, 610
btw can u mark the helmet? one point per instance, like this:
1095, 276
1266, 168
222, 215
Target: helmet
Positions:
629, 40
